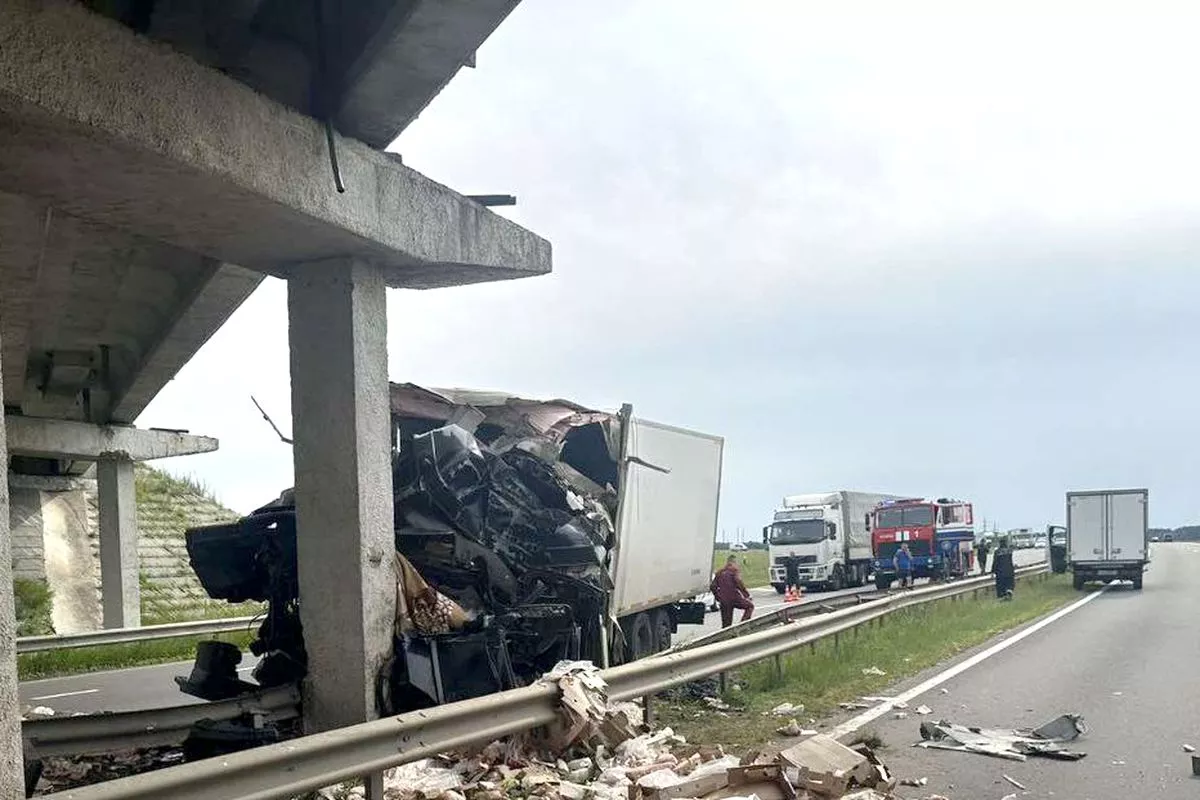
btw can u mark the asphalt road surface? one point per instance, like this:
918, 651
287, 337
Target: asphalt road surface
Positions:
154, 686
1127, 661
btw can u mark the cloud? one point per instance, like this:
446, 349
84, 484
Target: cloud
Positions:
927, 252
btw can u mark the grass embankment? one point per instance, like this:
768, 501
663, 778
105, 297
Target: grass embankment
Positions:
904, 644
57, 663
752, 562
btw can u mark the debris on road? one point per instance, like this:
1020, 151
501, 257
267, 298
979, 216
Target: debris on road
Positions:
918, 782
38, 711
854, 706
1015, 783
1017, 745
873, 671
1187, 748
717, 704
826, 767
793, 729
900, 715
787, 709
924, 710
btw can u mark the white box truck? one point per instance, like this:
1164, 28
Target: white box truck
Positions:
821, 540
1108, 535
559, 531
666, 526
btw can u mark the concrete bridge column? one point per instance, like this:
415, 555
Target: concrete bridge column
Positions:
12, 779
337, 317
120, 591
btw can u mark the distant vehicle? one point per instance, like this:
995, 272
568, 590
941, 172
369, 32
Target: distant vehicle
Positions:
821, 540
940, 535
1154, 538
738, 547
1168, 537
1107, 535
1021, 539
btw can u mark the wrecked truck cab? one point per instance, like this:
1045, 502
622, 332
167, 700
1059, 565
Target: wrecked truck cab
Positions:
526, 532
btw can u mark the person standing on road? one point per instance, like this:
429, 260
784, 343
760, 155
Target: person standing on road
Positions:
983, 549
902, 561
730, 593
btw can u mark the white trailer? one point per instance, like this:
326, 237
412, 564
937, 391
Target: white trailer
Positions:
666, 524
822, 540
1108, 535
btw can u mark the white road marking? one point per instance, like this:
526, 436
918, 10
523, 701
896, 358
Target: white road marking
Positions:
851, 725
65, 694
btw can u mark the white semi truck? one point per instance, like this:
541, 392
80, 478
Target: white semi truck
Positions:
821, 540
1108, 535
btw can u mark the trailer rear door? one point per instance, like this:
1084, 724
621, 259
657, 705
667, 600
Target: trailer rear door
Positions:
1086, 527
1127, 526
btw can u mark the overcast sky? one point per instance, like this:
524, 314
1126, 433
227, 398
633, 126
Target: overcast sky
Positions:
933, 253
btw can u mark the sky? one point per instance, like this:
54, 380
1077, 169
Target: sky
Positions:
934, 253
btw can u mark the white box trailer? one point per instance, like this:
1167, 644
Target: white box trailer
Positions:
666, 525
1108, 535
821, 540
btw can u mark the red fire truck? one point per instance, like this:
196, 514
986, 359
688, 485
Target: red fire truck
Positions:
940, 535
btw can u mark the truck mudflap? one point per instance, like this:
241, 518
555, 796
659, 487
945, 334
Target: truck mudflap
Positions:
689, 613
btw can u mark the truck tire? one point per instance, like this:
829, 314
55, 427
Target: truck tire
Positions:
639, 634
1077, 581
837, 581
779, 588
1137, 583
660, 621
882, 581
858, 575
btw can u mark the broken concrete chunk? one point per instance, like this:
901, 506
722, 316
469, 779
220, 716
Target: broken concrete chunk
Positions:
787, 709
1187, 748
924, 710
918, 782
873, 671
717, 703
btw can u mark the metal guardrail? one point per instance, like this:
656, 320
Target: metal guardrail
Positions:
311, 762
172, 630
97, 733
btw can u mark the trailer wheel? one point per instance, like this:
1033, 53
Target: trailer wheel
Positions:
837, 581
1077, 582
661, 622
1137, 583
779, 588
639, 633
882, 581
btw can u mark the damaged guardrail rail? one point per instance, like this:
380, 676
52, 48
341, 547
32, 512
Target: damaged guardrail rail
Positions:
171, 630
311, 762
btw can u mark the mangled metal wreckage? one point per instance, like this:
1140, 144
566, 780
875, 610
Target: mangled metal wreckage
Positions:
527, 532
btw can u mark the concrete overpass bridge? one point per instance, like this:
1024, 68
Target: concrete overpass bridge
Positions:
157, 159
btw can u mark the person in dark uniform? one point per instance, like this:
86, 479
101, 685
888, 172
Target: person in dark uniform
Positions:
1002, 567
902, 562
983, 548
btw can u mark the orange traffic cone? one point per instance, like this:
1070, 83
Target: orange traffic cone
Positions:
792, 596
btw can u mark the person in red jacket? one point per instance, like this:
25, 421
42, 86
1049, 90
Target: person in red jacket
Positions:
731, 593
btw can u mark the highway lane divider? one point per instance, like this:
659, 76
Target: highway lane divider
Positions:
363, 751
